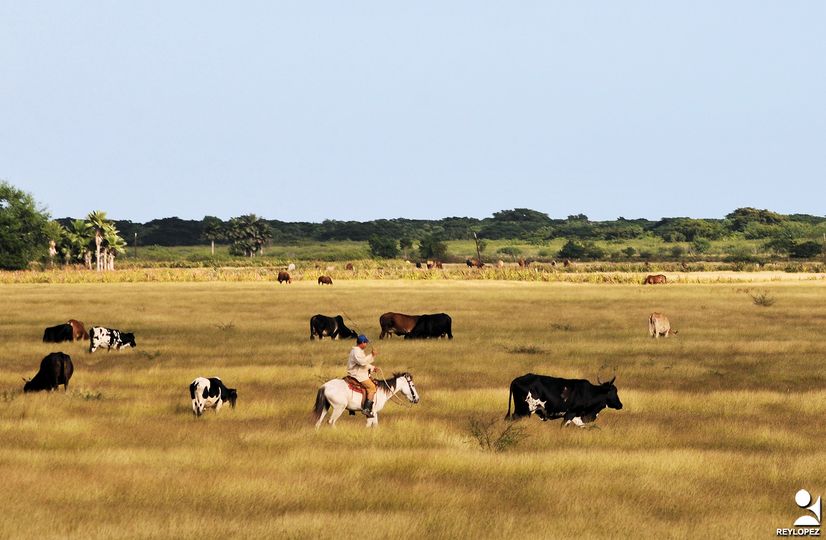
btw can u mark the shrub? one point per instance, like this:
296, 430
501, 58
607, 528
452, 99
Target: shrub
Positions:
485, 434
762, 299
383, 247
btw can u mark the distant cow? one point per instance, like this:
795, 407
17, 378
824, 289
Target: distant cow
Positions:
567, 263
111, 339
78, 330
658, 325
396, 323
523, 263
654, 279
291, 267
334, 327
58, 334
55, 369
474, 263
434, 264
576, 401
284, 276
209, 393
325, 280
437, 325
348, 266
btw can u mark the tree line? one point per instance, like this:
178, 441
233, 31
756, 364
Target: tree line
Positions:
27, 233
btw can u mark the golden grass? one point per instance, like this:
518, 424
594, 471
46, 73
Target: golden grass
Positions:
722, 424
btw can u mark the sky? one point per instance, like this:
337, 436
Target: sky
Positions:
306, 111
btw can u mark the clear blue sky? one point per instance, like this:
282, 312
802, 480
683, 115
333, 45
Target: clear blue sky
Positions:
425, 109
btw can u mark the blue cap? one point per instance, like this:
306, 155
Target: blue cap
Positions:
361, 339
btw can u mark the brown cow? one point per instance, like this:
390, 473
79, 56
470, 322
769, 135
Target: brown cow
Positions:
325, 280
434, 264
567, 263
78, 331
396, 323
474, 263
658, 325
523, 263
654, 279
284, 276
348, 266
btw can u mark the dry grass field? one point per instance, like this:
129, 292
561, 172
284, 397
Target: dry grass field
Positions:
722, 424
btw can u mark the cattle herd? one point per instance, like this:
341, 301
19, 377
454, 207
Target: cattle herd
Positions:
575, 401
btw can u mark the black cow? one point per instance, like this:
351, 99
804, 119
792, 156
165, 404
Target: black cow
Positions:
55, 369
436, 325
573, 400
58, 334
322, 325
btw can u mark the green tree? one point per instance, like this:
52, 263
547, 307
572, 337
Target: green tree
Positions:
431, 246
76, 242
247, 235
510, 251
383, 247
54, 232
405, 244
213, 230
806, 250
22, 228
585, 250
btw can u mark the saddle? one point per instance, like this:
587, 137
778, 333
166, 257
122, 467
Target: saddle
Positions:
356, 386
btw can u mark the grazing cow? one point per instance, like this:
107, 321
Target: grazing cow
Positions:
209, 393
437, 325
654, 280
348, 266
325, 280
55, 369
474, 263
58, 334
567, 263
109, 338
418, 264
291, 267
500, 263
78, 330
576, 401
322, 325
658, 325
523, 263
396, 323
434, 264
284, 276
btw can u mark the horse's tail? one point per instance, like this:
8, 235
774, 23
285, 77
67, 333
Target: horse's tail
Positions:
510, 398
321, 403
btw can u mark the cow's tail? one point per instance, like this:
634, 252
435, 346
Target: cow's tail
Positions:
321, 404
510, 398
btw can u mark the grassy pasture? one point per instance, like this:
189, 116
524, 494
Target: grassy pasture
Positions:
722, 424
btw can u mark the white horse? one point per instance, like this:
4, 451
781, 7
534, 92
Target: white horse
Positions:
337, 394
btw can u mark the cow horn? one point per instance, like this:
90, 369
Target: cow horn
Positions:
614, 378
598, 381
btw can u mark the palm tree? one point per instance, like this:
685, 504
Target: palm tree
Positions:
114, 244
248, 235
54, 232
98, 221
76, 241
213, 230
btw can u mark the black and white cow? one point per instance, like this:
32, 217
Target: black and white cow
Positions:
334, 327
58, 334
436, 325
210, 393
55, 369
576, 401
109, 338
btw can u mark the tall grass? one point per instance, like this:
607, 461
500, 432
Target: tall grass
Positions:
725, 416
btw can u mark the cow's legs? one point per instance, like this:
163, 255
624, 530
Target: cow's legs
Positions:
219, 405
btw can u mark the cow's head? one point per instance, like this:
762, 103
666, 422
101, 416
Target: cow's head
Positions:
232, 396
611, 398
28, 387
128, 339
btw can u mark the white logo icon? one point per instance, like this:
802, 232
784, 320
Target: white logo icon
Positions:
804, 500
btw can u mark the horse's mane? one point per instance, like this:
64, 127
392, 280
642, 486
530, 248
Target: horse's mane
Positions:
389, 385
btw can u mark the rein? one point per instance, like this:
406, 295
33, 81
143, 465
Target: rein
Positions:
394, 396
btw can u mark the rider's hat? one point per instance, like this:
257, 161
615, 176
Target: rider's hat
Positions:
361, 339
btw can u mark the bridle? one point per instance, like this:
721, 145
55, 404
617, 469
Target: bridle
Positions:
393, 395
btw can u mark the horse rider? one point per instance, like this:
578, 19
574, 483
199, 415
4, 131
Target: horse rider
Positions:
359, 366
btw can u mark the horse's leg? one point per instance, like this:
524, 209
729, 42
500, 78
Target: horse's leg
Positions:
372, 422
335, 414
321, 417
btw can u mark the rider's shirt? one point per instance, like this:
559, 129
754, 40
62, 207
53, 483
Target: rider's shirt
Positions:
359, 364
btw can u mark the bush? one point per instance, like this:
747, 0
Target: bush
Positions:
806, 250
484, 433
22, 228
383, 247
511, 251
575, 250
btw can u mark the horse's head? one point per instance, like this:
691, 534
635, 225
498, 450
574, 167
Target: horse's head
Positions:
407, 387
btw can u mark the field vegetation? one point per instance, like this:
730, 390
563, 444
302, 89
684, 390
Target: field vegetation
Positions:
722, 424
